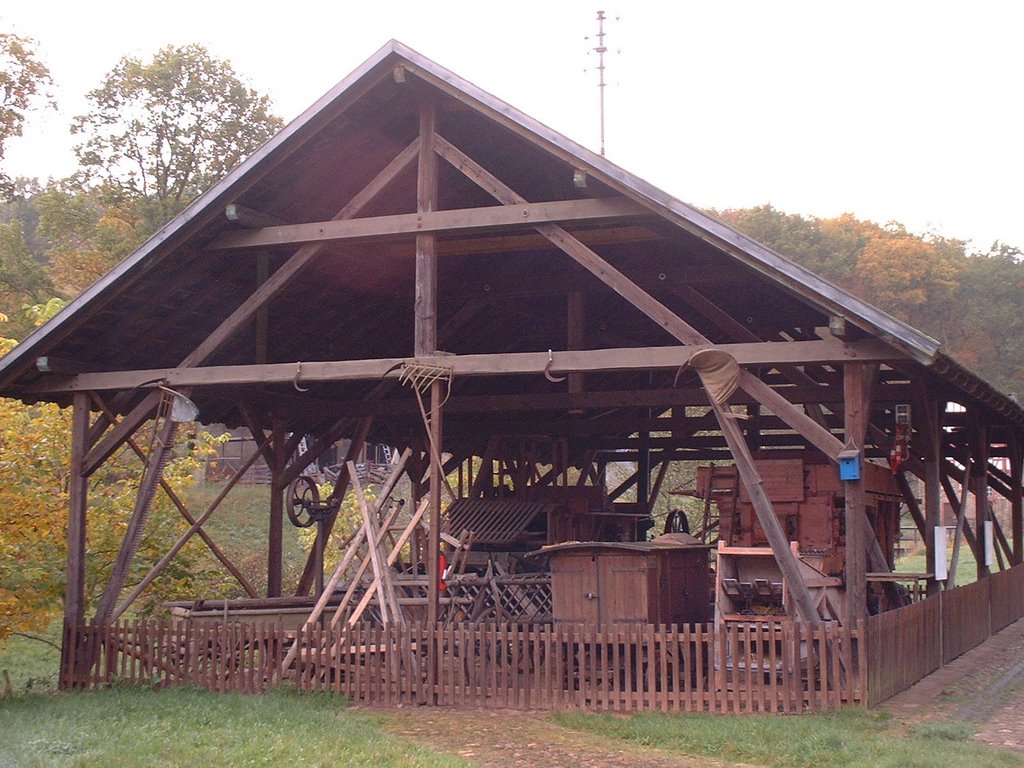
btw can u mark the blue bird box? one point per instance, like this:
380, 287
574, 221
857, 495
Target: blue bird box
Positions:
849, 464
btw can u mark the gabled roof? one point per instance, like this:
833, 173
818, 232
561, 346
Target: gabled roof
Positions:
354, 302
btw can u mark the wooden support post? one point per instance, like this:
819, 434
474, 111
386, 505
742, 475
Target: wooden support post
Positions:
425, 331
754, 426
643, 469
74, 593
275, 528
959, 502
1002, 546
341, 484
1017, 497
159, 453
484, 480
434, 518
979, 484
425, 343
856, 416
960, 505
576, 323
931, 431
911, 501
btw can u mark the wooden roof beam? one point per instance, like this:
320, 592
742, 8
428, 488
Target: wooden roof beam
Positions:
576, 361
406, 224
661, 315
248, 217
298, 261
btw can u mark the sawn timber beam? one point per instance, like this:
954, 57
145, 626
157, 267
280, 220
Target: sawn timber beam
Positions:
661, 315
575, 361
561, 401
405, 224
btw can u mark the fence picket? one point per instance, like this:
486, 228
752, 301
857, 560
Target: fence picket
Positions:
745, 667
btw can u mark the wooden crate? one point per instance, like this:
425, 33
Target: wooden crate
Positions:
609, 583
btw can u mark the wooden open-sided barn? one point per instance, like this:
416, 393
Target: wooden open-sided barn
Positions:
414, 263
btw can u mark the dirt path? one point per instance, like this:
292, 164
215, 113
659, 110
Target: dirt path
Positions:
985, 687
506, 739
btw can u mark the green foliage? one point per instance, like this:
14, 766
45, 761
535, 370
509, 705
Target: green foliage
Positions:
24, 84
188, 727
157, 135
987, 329
32, 660
34, 466
972, 302
23, 280
944, 731
164, 130
794, 236
88, 229
34, 474
851, 738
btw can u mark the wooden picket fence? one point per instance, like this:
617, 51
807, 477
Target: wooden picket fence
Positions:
905, 645
738, 668
756, 667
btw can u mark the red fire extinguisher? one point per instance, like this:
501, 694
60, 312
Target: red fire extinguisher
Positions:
901, 438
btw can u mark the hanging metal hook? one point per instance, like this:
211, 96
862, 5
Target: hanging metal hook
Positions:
298, 377
547, 370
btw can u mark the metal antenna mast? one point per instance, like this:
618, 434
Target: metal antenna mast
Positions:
600, 49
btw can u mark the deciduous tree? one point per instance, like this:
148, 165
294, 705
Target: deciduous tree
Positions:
89, 229
24, 83
165, 130
34, 474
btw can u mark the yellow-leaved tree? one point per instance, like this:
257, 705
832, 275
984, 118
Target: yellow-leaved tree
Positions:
34, 473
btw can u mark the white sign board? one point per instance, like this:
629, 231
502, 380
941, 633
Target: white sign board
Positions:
941, 572
990, 545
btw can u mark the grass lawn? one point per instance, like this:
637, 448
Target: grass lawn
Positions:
852, 738
128, 727
31, 664
966, 569
240, 527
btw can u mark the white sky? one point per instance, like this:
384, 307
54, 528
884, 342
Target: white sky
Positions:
890, 109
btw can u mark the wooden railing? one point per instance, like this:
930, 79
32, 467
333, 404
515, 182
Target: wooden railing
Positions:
1006, 590
905, 645
902, 647
965, 618
742, 668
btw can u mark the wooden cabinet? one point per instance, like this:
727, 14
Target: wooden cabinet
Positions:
629, 583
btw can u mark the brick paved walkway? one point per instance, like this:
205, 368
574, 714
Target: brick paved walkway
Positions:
985, 686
